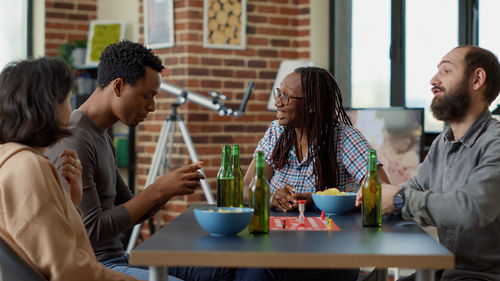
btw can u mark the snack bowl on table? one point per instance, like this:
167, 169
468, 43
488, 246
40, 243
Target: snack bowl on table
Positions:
220, 221
334, 203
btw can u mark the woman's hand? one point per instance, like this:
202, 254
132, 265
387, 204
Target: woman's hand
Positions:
284, 198
71, 170
305, 196
359, 197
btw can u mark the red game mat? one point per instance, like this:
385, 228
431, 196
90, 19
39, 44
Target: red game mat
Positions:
292, 223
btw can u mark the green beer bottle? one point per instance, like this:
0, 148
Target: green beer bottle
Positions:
238, 176
259, 197
225, 180
371, 204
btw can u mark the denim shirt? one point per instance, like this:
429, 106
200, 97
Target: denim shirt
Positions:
457, 189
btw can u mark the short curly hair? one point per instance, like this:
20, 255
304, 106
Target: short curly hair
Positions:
126, 60
478, 57
30, 94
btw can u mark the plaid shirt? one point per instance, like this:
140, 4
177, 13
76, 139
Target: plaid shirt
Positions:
351, 149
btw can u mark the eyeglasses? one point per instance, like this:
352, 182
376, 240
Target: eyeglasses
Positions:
284, 98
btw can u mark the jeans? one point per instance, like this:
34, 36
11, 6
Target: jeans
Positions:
121, 264
266, 274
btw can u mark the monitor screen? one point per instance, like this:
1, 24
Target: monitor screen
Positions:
397, 136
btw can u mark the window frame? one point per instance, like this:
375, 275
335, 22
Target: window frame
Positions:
341, 43
29, 28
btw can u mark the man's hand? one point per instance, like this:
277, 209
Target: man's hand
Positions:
388, 193
284, 199
182, 181
71, 170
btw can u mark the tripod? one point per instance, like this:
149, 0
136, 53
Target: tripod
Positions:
167, 134
168, 130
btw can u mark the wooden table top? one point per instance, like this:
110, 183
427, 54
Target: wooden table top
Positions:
397, 243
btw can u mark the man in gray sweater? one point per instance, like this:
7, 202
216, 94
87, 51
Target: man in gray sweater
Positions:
457, 186
128, 81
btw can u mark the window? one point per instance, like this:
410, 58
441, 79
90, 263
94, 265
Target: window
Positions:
430, 34
429, 29
13, 38
371, 69
488, 31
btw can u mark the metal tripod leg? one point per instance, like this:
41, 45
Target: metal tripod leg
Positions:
194, 158
156, 162
167, 129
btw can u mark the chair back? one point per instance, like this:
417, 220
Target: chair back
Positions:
13, 268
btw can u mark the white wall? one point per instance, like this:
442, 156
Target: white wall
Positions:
126, 10
319, 33
38, 28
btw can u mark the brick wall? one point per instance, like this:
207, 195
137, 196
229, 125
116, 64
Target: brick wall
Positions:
276, 30
67, 20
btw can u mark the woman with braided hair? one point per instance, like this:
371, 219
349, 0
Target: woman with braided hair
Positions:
312, 145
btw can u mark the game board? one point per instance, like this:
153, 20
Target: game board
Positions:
292, 223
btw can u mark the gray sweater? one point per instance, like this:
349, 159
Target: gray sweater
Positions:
104, 190
457, 189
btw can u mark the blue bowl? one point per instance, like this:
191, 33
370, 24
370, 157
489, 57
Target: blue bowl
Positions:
219, 221
335, 204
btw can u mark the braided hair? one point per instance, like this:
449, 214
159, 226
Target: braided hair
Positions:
323, 110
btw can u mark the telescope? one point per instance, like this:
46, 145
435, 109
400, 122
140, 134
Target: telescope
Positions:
165, 140
215, 103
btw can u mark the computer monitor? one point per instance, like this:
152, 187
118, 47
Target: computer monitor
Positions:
396, 134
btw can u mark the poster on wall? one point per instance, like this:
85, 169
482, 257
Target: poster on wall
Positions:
101, 34
224, 24
159, 23
396, 134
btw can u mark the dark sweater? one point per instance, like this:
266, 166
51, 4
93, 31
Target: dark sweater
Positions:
104, 190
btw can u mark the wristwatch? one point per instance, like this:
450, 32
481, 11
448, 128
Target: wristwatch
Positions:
399, 201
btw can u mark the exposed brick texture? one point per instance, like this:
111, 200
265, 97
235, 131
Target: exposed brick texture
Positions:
67, 20
276, 30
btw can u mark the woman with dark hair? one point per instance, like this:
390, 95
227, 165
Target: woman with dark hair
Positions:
38, 220
312, 146
128, 80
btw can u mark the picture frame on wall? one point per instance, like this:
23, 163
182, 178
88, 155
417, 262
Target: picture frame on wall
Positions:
224, 24
101, 34
159, 23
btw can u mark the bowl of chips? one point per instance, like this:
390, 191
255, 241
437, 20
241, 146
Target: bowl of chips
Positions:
220, 221
334, 202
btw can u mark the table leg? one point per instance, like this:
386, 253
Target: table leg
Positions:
424, 275
381, 274
158, 273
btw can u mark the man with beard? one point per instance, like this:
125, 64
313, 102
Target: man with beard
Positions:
457, 187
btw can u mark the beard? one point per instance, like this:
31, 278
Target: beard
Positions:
452, 107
